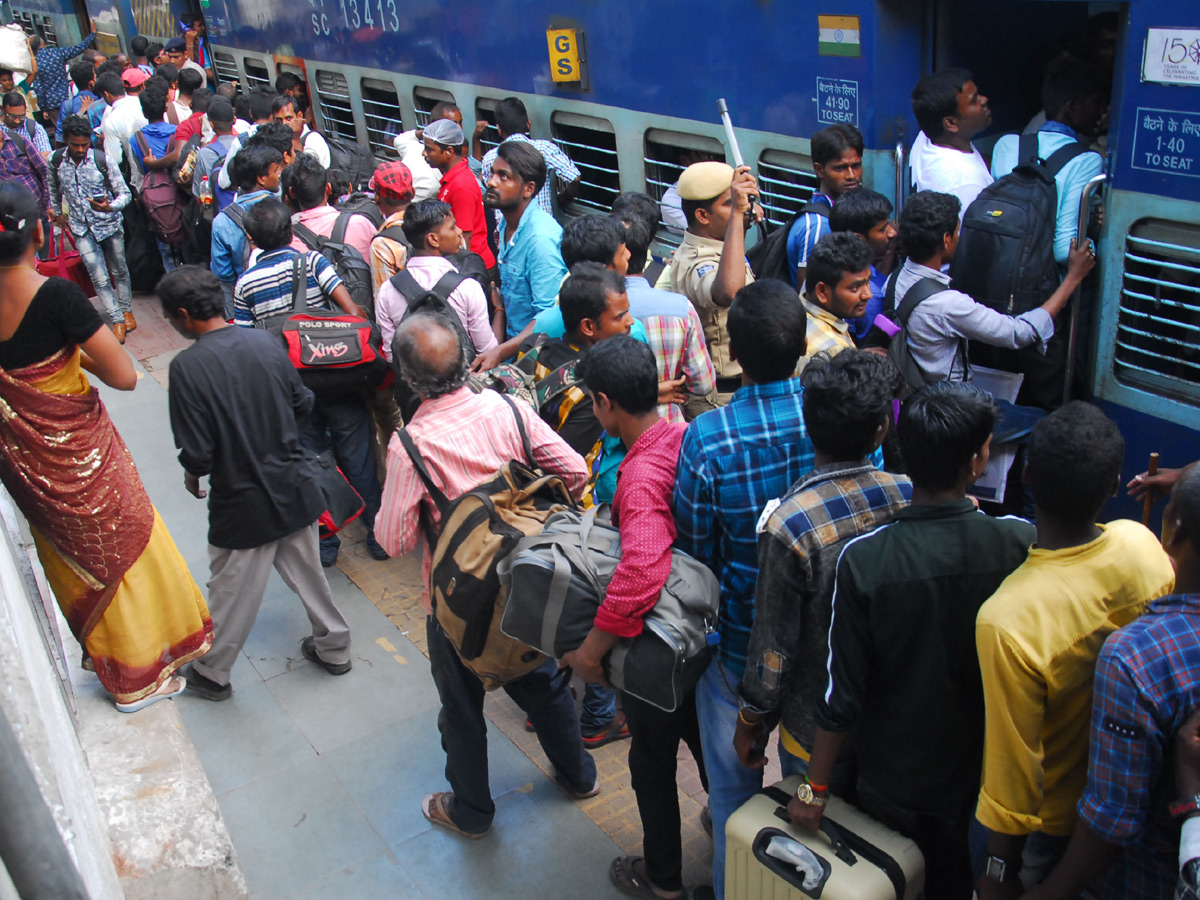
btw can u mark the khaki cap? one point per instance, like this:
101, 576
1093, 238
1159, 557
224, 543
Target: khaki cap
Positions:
705, 180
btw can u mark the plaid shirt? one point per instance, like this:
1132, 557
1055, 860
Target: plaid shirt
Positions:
677, 342
557, 163
801, 536
826, 334
20, 162
1147, 682
1189, 861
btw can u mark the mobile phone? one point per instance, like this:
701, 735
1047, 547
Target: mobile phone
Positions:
100, 196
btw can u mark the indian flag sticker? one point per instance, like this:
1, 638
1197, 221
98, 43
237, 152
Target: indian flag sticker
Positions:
838, 36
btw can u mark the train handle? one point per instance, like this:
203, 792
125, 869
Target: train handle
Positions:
1085, 199
901, 162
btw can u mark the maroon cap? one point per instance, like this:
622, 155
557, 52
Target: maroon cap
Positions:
394, 181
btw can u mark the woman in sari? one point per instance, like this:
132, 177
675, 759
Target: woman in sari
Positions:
124, 589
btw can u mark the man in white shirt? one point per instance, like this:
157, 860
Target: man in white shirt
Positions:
305, 140
950, 111
427, 180
122, 120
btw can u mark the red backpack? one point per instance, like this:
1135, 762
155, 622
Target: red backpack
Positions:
163, 200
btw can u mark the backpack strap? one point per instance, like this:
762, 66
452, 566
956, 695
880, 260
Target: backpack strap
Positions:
407, 286
435, 493
816, 207
300, 283
101, 162
56, 157
1027, 150
338, 235
525, 445
448, 284
306, 234
394, 233
144, 147
915, 296
1064, 155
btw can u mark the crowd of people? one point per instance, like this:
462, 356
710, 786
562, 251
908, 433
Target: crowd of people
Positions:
1013, 694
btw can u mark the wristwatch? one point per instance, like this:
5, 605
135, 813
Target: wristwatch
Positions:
805, 794
996, 868
1184, 806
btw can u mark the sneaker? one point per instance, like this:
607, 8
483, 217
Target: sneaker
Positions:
308, 647
579, 795
615, 730
373, 548
206, 687
130, 323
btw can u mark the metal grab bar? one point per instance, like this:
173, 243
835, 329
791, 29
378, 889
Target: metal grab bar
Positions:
1085, 200
898, 126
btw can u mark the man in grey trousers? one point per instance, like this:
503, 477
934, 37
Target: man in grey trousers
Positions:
234, 400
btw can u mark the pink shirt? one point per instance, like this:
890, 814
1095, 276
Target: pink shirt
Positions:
321, 219
467, 300
465, 438
642, 510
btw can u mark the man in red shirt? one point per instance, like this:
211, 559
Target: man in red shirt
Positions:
444, 145
622, 376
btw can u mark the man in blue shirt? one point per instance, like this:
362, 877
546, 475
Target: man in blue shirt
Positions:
868, 214
734, 461
837, 162
258, 170
50, 85
83, 73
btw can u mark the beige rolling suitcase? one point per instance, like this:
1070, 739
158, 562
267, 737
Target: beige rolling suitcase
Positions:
853, 857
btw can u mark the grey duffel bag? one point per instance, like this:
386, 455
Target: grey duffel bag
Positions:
556, 582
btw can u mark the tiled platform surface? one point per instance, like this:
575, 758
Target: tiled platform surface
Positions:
320, 778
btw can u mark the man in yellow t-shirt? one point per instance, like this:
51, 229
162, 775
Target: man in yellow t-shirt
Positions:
1039, 637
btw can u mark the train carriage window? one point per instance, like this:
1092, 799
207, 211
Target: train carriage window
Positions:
787, 182
425, 99
337, 110
257, 73
1158, 323
485, 111
227, 69
592, 145
667, 154
49, 35
381, 109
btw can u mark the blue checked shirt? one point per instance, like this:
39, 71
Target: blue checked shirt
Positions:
1147, 682
557, 163
33, 133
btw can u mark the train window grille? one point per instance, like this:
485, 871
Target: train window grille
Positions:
786, 183
49, 35
666, 155
381, 109
591, 144
425, 99
1158, 322
485, 111
257, 73
226, 66
337, 109
25, 20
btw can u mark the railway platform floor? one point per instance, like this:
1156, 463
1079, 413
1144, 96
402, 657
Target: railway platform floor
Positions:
319, 779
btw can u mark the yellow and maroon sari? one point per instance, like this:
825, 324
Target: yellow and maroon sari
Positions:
124, 589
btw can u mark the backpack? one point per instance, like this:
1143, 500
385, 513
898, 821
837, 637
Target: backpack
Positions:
352, 158
768, 258
1005, 255
557, 580
899, 352
361, 204
479, 530
222, 197
163, 201
534, 383
354, 271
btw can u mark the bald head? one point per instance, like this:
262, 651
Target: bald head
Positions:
430, 354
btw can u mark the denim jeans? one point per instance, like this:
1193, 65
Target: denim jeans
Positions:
169, 254
729, 783
1041, 854
599, 708
101, 258
544, 695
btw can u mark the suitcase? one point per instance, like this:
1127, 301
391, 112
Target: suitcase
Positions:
856, 857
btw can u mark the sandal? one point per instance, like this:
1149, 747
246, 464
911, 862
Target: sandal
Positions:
434, 809
168, 689
616, 730
626, 880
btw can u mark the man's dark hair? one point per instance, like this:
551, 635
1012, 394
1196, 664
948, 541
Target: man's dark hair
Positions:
527, 163
592, 238
274, 134
1185, 500
927, 217
89, 56
260, 105
282, 102
195, 290
637, 241
168, 73
13, 98
253, 162
228, 90
156, 83
441, 108
424, 375
110, 84
304, 182
269, 224
288, 81
1067, 80
830, 143
112, 66
35, 43
77, 126
859, 211
689, 207
339, 183
936, 96
154, 104
767, 327
153, 51
219, 110
422, 218
8, 72
584, 295
833, 256
511, 116
83, 73
241, 106
942, 426
631, 204
202, 99
138, 44
846, 398
190, 81
1074, 461
624, 370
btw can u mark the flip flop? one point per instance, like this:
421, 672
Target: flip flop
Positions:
626, 880
169, 688
433, 807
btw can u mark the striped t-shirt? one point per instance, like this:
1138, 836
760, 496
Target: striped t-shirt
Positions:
265, 289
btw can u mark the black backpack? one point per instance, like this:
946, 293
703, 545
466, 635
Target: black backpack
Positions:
362, 205
768, 258
899, 352
1005, 255
352, 158
354, 271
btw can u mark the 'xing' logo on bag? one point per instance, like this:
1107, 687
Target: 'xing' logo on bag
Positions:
320, 350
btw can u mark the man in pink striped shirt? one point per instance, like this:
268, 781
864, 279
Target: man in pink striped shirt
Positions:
465, 438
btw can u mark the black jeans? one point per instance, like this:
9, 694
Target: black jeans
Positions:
342, 423
544, 695
653, 748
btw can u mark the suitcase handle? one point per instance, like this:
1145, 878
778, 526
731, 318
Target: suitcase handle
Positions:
830, 830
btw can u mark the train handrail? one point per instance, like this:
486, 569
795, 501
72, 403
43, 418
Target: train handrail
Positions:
1085, 200
898, 126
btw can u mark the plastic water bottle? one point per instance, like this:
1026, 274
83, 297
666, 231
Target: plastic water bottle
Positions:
206, 194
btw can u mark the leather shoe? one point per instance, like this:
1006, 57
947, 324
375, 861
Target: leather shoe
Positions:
308, 647
130, 323
119, 332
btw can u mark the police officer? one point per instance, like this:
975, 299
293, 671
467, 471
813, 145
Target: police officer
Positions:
710, 267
